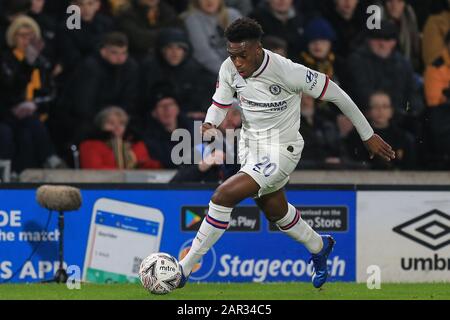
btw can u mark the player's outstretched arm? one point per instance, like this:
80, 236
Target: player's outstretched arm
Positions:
373, 142
214, 118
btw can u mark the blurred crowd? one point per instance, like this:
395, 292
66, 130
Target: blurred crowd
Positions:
110, 93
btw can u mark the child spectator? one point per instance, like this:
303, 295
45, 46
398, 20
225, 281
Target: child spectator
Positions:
112, 146
319, 36
205, 22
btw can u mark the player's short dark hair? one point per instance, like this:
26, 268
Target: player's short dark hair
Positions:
115, 39
244, 29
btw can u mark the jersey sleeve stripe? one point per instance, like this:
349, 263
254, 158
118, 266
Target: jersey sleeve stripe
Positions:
221, 105
327, 80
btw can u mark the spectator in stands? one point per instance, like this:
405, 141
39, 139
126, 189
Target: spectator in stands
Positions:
205, 22
348, 21
402, 14
437, 94
22, 82
75, 45
25, 70
378, 66
322, 147
112, 146
47, 25
245, 7
142, 22
109, 77
214, 166
174, 64
163, 120
275, 44
118, 6
380, 115
9, 10
434, 32
280, 18
318, 55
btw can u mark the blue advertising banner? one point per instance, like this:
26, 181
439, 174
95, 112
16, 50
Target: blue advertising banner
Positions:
116, 228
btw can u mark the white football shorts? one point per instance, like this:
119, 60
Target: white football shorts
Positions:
269, 165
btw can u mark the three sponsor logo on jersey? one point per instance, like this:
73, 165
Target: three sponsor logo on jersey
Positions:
270, 106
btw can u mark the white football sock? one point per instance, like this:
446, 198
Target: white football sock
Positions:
211, 229
295, 227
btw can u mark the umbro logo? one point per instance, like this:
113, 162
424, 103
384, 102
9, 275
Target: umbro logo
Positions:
431, 229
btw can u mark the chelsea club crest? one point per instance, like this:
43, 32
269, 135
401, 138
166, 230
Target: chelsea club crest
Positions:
275, 89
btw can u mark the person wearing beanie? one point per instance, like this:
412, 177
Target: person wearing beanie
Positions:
319, 36
319, 55
173, 63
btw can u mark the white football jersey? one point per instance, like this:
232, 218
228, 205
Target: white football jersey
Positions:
270, 98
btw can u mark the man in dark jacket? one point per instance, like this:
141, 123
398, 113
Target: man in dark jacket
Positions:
163, 120
173, 64
109, 77
73, 46
142, 23
378, 66
348, 21
280, 19
380, 115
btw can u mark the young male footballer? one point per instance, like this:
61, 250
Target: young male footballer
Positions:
269, 89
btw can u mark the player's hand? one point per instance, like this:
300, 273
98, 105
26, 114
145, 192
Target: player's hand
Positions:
377, 146
208, 130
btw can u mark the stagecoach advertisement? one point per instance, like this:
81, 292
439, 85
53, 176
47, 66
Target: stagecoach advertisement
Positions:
106, 240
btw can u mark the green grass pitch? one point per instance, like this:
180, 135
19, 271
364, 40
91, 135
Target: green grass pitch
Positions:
245, 291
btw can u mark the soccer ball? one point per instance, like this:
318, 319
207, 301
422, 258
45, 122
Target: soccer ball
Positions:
160, 273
